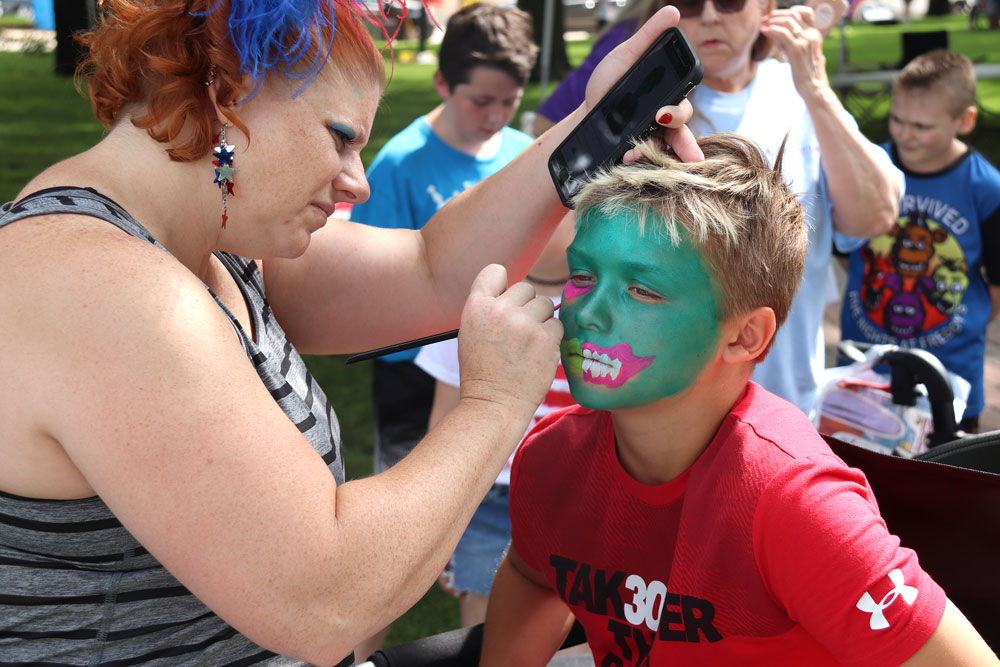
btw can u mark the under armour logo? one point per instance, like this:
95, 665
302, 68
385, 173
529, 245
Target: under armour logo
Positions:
867, 602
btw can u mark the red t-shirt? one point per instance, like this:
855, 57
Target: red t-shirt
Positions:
768, 550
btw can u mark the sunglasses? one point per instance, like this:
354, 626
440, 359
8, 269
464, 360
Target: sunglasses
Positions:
690, 9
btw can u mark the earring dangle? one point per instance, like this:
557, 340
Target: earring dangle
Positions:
224, 170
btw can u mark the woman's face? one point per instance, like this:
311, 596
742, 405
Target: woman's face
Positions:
724, 40
304, 156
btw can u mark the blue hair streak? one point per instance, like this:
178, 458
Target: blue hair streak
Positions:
277, 35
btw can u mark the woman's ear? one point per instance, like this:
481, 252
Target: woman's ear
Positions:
750, 336
213, 93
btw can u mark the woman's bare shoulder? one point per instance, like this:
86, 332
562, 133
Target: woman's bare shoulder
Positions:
83, 292
54, 257
84, 298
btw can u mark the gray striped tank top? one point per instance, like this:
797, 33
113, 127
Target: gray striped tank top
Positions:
76, 588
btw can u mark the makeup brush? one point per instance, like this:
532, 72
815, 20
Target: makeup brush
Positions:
408, 345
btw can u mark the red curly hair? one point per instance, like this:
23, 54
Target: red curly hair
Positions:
159, 52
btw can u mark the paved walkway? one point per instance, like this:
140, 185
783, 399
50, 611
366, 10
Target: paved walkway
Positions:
20, 39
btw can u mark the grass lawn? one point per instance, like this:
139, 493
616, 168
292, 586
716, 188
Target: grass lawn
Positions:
43, 119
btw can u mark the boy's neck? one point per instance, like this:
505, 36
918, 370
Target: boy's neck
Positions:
658, 442
446, 130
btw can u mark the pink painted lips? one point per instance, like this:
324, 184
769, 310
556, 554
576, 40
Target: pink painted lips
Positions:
611, 366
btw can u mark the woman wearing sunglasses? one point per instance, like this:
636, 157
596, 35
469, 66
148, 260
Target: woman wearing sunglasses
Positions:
765, 77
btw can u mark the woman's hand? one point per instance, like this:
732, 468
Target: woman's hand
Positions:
615, 64
508, 343
863, 185
798, 39
671, 118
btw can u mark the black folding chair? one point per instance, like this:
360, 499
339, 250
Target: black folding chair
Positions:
975, 452
945, 505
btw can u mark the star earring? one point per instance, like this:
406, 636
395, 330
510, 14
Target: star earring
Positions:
224, 170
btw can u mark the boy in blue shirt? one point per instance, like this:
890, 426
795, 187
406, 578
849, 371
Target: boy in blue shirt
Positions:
484, 61
932, 282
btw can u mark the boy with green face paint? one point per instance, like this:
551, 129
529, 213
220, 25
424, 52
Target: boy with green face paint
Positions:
683, 515
648, 327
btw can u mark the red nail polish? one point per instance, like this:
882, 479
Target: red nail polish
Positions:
665, 119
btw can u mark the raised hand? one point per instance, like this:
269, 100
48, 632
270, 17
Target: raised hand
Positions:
676, 133
798, 39
508, 342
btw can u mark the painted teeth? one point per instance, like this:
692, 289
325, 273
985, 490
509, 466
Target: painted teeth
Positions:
601, 365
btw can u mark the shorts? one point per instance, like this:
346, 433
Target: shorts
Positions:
482, 547
402, 395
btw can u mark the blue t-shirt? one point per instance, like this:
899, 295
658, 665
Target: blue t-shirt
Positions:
922, 285
416, 173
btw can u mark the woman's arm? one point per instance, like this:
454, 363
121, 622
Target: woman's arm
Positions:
526, 622
380, 287
446, 397
165, 418
862, 183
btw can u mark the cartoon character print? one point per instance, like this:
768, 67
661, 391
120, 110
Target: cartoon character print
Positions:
914, 277
877, 268
904, 313
951, 279
914, 246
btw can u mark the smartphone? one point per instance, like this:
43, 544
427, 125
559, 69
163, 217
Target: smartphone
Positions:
664, 74
828, 13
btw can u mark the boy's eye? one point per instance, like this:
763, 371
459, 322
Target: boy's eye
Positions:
644, 293
581, 279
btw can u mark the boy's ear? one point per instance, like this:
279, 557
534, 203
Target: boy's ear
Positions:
750, 336
967, 120
441, 86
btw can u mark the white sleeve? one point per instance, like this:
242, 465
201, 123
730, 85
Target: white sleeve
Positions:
440, 361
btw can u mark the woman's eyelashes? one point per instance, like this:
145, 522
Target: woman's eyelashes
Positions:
343, 135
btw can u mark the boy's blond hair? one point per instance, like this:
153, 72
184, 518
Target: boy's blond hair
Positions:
732, 206
947, 74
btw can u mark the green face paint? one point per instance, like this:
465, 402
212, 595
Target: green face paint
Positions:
640, 315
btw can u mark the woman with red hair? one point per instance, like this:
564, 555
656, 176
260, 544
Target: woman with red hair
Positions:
172, 486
